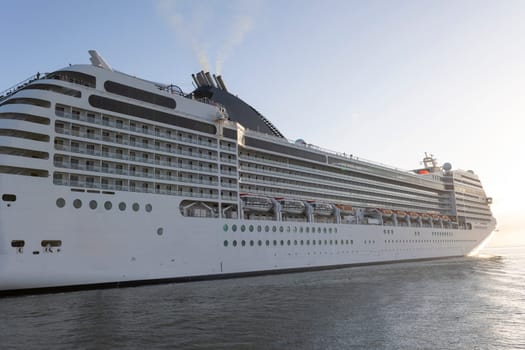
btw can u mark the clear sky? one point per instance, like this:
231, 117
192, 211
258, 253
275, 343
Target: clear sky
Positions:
383, 80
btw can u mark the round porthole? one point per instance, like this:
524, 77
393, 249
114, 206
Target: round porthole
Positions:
234, 228
93, 204
160, 231
225, 243
122, 206
61, 202
148, 208
135, 207
225, 228
77, 203
108, 205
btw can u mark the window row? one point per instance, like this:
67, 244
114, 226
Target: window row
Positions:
118, 184
108, 205
138, 127
295, 229
289, 242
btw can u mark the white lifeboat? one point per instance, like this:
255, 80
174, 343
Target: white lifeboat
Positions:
322, 208
345, 209
292, 206
256, 203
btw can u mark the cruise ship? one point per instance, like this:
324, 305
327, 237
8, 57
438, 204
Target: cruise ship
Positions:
107, 180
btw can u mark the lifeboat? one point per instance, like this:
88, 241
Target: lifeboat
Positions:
345, 209
256, 203
322, 208
401, 214
291, 206
426, 217
413, 215
445, 218
386, 213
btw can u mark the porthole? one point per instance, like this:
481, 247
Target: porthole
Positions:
288, 242
335, 230
307, 230
300, 230
307, 242
324, 230
259, 228
330, 230
235, 243
61, 202
234, 228
274, 229
330, 242
77, 203
243, 242
295, 229
225, 227
302, 242
325, 242
251, 243
313, 229
295, 242
251, 228
122, 206
313, 241
274, 242
93, 204
108, 205
135, 207
267, 228
320, 242
351, 241
259, 243
148, 208
335, 242
225, 243
288, 229
319, 230
267, 243
160, 231
282, 242
243, 228
281, 229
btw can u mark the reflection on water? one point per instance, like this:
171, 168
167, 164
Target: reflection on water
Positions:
467, 303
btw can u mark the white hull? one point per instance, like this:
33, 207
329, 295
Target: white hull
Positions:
107, 246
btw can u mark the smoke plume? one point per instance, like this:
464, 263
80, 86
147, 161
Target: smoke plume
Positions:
191, 19
241, 26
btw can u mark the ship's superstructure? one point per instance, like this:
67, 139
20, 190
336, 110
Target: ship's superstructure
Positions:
106, 178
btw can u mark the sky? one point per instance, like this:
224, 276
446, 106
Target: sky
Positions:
383, 80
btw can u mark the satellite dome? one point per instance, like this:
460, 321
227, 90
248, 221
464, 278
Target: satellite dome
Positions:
447, 166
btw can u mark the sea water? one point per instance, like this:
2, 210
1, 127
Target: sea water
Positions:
462, 303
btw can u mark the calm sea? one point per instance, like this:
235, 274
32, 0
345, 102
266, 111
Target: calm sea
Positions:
467, 303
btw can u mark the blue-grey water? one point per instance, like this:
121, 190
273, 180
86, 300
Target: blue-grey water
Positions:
464, 303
